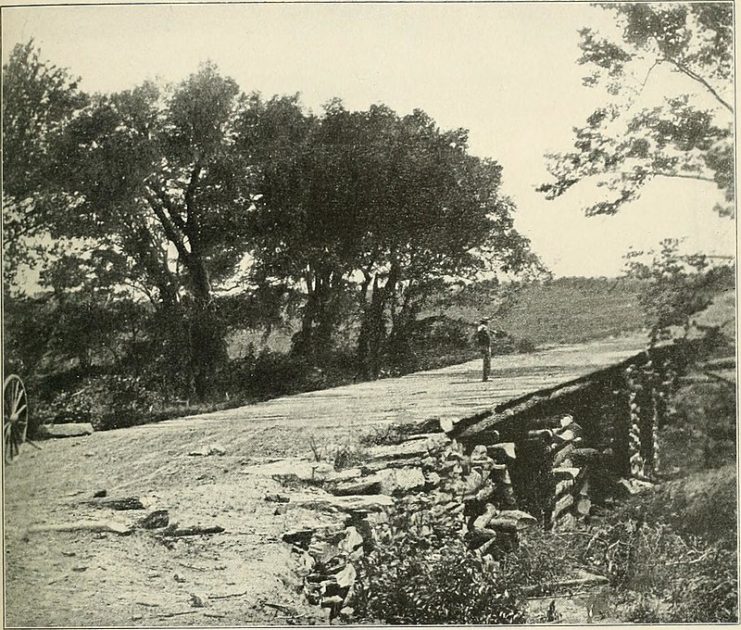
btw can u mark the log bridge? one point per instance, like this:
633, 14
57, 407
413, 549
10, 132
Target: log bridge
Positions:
580, 442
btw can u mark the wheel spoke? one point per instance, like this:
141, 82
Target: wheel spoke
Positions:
20, 410
14, 391
18, 398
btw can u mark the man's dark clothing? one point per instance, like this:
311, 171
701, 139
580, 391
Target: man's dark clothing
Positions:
483, 342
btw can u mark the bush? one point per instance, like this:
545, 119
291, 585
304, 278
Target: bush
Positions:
108, 402
421, 572
665, 573
524, 346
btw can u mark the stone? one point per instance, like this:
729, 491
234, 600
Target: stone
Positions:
564, 454
155, 520
479, 451
401, 481
564, 486
566, 421
482, 521
504, 449
364, 485
300, 538
346, 577
352, 540
323, 551
503, 524
208, 450
73, 429
276, 498
634, 486
344, 475
432, 480
409, 448
361, 503
566, 472
523, 519
198, 600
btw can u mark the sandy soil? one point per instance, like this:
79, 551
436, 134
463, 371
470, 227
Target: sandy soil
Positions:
247, 574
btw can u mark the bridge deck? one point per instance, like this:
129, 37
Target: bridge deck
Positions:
452, 392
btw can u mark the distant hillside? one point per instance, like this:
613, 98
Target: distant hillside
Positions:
565, 310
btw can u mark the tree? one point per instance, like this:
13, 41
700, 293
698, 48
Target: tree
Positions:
676, 287
688, 135
374, 203
151, 177
438, 213
38, 99
307, 229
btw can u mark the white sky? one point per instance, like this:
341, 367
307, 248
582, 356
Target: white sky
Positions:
506, 72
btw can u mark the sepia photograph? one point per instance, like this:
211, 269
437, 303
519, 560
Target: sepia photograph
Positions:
369, 313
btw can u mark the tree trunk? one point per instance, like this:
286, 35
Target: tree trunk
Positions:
373, 333
320, 316
207, 345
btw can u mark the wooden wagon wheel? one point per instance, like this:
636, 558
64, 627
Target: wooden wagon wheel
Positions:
15, 415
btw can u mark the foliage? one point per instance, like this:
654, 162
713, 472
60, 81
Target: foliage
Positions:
421, 572
687, 135
676, 287
369, 195
38, 99
562, 310
106, 401
701, 433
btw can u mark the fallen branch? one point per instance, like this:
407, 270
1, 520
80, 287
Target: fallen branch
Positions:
175, 614
193, 531
227, 596
280, 607
190, 566
124, 503
595, 580
89, 526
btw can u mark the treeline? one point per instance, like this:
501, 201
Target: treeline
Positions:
160, 218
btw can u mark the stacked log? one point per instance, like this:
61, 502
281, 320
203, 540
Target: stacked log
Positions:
634, 413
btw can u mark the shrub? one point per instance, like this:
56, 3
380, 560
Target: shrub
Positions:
524, 346
421, 572
107, 402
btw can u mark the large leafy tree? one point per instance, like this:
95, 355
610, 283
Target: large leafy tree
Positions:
687, 134
150, 179
374, 203
438, 213
39, 98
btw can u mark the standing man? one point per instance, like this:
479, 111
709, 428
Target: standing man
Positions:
483, 343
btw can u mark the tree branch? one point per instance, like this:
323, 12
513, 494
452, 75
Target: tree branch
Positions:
171, 209
192, 220
170, 230
701, 178
696, 77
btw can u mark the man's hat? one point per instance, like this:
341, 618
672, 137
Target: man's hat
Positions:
484, 321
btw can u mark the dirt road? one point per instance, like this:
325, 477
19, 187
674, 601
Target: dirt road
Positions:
244, 575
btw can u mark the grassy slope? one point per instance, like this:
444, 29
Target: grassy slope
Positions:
565, 310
